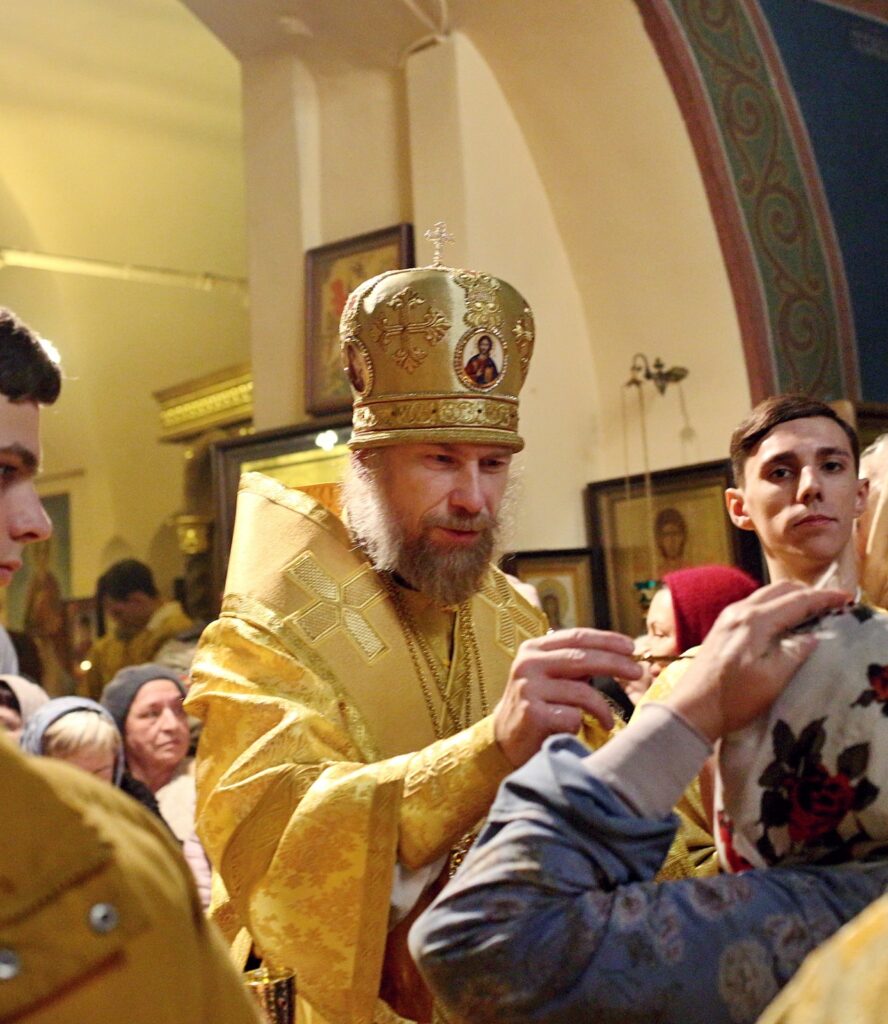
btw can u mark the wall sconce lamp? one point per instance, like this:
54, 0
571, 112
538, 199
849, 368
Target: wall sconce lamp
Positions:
642, 370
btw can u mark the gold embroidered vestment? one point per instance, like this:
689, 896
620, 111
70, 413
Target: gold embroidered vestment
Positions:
319, 765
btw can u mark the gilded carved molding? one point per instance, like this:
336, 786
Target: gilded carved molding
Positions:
221, 399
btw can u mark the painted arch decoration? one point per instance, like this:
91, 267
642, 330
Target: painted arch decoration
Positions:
787, 107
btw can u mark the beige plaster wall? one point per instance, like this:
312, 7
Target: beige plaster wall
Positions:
494, 194
111, 153
617, 166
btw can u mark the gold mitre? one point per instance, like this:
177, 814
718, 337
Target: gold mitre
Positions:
435, 354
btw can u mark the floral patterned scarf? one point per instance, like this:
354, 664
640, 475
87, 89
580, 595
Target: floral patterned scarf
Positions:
808, 782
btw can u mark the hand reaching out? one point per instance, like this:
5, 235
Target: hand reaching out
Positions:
548, 688
748, 657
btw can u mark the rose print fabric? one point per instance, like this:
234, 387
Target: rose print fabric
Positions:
808, 783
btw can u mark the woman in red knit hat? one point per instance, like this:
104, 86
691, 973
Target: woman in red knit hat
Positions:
683, 610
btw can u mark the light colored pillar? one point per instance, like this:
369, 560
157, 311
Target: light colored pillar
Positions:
437, 160
326, 159
281, 146
472, 168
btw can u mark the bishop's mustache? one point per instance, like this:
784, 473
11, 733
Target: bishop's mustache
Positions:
477, 522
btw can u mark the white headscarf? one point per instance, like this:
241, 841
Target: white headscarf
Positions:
30, 696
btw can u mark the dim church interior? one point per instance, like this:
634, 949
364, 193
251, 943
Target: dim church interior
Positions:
217, 145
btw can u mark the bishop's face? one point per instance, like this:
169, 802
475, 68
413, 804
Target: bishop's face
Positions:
450, 493
436, 509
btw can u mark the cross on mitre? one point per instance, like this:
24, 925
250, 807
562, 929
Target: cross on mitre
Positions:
439, 236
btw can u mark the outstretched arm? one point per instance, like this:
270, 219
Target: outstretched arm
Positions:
554, 917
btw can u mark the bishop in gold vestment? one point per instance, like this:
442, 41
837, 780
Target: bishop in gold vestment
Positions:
352, 732
313, 688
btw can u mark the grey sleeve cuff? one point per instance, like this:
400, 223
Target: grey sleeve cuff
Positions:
650, 763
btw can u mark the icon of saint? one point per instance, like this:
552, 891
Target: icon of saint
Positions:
481, 368
671, 534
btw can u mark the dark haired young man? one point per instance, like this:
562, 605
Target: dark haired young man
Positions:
99, 917
142, 623
795, 465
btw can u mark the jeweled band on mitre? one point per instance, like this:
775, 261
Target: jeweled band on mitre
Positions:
443, 418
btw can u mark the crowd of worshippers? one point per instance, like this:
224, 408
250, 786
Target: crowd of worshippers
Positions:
410, 795
128, 726
137, 738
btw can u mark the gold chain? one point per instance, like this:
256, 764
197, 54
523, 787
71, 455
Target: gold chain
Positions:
470, 642
460, 849
418, 646
423, 657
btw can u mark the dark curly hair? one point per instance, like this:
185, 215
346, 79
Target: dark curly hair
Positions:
28, 370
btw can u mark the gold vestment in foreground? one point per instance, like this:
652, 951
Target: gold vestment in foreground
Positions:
842, 980
319, 765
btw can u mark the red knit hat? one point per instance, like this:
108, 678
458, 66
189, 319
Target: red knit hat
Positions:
699, 594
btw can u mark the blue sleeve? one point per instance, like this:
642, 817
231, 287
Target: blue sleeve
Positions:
554, 916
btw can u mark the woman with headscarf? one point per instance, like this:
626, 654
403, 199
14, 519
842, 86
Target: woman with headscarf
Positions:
686, 606
146, 703
19, 700
79, 731
681, 614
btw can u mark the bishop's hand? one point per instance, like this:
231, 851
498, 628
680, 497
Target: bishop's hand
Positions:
548, 689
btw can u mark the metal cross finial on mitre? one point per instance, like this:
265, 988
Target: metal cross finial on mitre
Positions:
439, 236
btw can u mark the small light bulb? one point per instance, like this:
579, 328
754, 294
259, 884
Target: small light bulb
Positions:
327, 440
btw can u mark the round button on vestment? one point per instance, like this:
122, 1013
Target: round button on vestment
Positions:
10, 964
103, 918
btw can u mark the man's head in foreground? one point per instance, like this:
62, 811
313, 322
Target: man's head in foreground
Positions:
795, 464
29, 377
431, 445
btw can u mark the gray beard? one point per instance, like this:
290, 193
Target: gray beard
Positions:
448, 576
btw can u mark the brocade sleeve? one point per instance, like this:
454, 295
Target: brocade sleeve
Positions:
303, 825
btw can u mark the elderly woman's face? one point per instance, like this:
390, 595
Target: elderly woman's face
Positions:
156, 727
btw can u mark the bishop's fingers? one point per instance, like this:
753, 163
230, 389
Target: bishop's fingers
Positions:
584, 638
